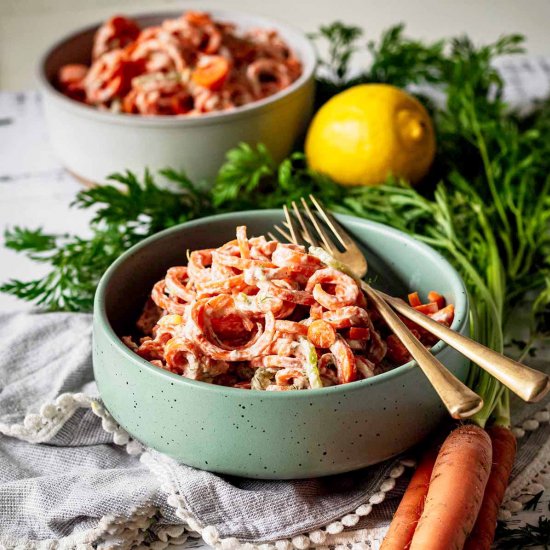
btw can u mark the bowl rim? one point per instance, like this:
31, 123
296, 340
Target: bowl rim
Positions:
100, 315
300, 41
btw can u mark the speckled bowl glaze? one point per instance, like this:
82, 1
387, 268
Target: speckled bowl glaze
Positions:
271, 435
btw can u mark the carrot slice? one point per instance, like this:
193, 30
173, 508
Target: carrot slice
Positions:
456, 490
434, 296
427, 308
321, 334
212, 72
445, 315
504, 452
414, 299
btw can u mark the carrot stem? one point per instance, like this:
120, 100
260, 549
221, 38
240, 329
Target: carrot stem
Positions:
502, 411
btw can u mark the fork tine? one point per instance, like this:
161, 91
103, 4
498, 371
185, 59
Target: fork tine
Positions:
284, 233
271, 236
337, 229
329, 244
287, 227
305, 230
294, 228
306, 238
313, 240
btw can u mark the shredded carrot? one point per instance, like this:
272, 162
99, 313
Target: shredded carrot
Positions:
456, 490
410, 509
212, 73
69, 74
198, 18
504, 452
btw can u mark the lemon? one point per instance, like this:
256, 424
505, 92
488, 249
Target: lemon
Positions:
366, 133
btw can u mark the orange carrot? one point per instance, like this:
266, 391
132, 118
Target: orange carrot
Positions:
321, 334
414, 299
427, 308
71, 73
197, 18
396, 351
504, 452
410, 509
359, 333
456, 490
434, 296
212, 73
444, 316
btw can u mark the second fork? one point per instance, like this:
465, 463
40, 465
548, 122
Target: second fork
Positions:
460, 401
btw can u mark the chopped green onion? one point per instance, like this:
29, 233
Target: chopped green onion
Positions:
310, 363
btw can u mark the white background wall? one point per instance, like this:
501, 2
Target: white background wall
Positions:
27, 27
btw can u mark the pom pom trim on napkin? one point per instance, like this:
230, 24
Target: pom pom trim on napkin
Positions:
41, 427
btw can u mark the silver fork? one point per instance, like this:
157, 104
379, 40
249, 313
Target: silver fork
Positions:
529, 384
460, 401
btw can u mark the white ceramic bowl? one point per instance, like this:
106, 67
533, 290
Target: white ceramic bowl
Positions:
93, 144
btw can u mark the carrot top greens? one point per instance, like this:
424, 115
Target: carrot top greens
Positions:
485, 205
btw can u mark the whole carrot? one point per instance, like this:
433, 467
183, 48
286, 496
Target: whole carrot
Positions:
456, 490
408, 513
504, 452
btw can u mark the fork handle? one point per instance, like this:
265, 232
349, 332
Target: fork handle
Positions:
529, 384
461, 401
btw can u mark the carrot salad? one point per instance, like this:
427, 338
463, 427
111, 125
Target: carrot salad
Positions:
269, 316
188, 65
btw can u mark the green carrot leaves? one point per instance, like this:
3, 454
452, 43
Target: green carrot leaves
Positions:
485, 205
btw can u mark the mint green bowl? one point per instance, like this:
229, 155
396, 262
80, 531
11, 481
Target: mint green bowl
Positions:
270, 435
